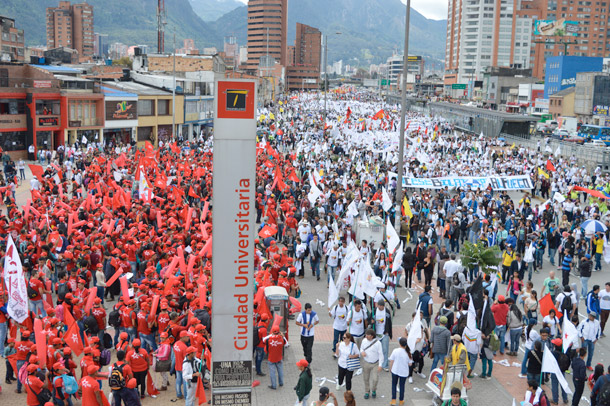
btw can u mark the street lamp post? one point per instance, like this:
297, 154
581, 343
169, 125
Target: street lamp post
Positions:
403, 113
326, 73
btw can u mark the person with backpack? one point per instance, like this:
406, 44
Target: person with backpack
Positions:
440, 340
191, 373
260, 332
64, 385
339, 316
425, 304
37, 393
600, 393
566, 302
120, 373
563, 361
535, 396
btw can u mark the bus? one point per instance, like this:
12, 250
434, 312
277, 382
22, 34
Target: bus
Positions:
595, 132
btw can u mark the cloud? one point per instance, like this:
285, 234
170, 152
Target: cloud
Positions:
434, 9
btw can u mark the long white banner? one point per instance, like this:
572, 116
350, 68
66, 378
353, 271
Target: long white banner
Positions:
474, 182
14, 281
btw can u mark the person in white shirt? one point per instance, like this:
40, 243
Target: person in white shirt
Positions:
339, 315
332, 260
34, 183
400, 366
304, 230
373, 359
356, 320
365, 250
472, 339
300, 255
589, 331
552, 321
347, 349
307, 320
450, 268
604, 306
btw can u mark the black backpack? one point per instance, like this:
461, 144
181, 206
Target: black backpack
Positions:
116, 380
566, 304
91, 325
62, 291
603, 397
256, 339
114, 318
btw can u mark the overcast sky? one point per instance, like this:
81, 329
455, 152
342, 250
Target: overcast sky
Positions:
435, 9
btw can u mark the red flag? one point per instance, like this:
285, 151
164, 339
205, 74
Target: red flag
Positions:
200, 392
379, 114
550, 166
124, 289
12, 359
41, 342
37, 171
193, 194
293, 176
150, 385
546, 304
90, 299
267, 231
72, 339
161, 181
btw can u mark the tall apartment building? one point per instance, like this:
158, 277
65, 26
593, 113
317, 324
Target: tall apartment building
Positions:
71, 25
305, 71
12, 43
500, 33
267, 26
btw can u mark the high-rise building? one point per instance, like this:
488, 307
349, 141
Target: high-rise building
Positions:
305, 72
71, 25
267, 26
12, 44
521, 34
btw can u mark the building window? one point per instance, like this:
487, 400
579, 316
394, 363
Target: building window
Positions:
163, 108
146, 108
12, 140
48, 107
12, 106
144, 133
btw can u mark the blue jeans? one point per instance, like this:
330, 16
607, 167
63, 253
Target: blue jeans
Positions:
400, 380
530, 269
515, 339
337, 336
315, 266
501, 333
472, 359
584, 282
590, 346
539, 256
331, 271
276, 367
3, 330
555, 390
148, 341
180, 384
260, 355
552, 252
37, 306
385, 347
598, 263
100, 293
524, 362
119, 396
437, 358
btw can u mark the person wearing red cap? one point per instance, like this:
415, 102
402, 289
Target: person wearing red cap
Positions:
89, 388
304, 385
274, 344
60, 376
138, 360
500, 310
129, 319
9, 350
117, 385
23, 348
260, 348
180, 353
191, 373
33, 385
563, 361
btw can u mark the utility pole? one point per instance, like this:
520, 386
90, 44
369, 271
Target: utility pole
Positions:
174, 94
325, 76
403, 113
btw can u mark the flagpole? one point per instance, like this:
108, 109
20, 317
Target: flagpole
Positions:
403, 112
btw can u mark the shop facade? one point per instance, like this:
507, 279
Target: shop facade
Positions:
121, 114
82, 117
198, 116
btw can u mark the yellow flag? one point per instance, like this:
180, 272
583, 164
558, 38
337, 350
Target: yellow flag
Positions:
406, 208
512, 146
262, 117
280, 102
281, 110
271, 116
543, 173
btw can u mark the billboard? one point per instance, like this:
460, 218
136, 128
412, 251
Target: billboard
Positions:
558, 28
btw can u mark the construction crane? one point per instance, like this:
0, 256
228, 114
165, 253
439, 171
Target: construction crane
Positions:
161, 22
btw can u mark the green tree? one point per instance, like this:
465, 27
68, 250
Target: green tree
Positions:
487, 258
124, 61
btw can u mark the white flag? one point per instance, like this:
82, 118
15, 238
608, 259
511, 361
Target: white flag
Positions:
415, 330
14, 281
352, 209
471, 321
392, 236
366, 282
386, 202
84, 140
398, 254
314, 192
548, 149
570, 334
559, 197
145, 191
549, 364
558, 150
333, 294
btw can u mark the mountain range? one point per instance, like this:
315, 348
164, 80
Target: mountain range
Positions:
371, 30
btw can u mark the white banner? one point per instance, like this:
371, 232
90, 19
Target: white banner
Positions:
474, 182
15, 283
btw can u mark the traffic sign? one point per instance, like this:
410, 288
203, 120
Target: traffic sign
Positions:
458, 86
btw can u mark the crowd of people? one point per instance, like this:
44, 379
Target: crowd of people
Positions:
120, 273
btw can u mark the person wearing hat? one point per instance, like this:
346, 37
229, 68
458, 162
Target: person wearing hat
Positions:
589, 331
137, 358
598, 244
60, 396
8, 351
304, 385
191, 372
180, 353
458, 353
275, 343
89, 388
440, 340
327, 398
33, 385
259, 351
22, 350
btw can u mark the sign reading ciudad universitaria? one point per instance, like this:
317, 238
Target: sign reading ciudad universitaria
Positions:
233, 247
